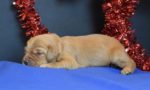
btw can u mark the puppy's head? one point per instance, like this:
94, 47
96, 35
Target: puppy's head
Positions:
42, 49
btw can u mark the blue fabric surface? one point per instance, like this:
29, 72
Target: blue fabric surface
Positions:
15, 76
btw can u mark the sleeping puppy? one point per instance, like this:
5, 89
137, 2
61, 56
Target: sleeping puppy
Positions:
70, 52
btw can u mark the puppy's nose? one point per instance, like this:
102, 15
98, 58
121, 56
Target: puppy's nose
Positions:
25, 62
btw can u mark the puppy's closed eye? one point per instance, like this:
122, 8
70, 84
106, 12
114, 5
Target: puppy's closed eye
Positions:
39, 52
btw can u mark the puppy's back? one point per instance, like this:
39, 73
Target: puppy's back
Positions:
91, 48
93, 39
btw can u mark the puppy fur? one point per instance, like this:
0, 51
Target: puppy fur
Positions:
70, 52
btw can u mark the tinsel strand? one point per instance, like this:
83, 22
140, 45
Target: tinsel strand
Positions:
117, 24
29, 18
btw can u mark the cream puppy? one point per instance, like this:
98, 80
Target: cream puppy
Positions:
70, 52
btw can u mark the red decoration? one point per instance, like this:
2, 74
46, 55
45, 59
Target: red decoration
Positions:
117, 24
29, 18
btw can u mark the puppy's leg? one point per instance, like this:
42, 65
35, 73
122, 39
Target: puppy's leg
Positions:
65, 61
125, 62
129, 67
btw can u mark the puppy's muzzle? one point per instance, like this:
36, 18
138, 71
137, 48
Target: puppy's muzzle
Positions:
25, 61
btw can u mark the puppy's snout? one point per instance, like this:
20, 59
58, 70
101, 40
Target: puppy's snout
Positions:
25, 62
25, 58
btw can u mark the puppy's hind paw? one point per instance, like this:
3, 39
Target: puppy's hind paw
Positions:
126, 71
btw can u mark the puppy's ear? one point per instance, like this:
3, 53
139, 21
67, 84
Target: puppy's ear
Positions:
52, 53
54, 47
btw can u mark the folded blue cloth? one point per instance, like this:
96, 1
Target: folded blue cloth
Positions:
14, 76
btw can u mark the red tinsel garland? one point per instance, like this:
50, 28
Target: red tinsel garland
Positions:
29, 18
117, 15
117, 18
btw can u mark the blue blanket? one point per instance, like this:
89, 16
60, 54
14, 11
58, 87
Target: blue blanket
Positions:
14, 76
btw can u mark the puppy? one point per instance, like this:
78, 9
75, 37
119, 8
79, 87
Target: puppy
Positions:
70, 52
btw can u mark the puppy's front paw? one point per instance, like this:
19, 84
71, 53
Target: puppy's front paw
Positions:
44, 65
